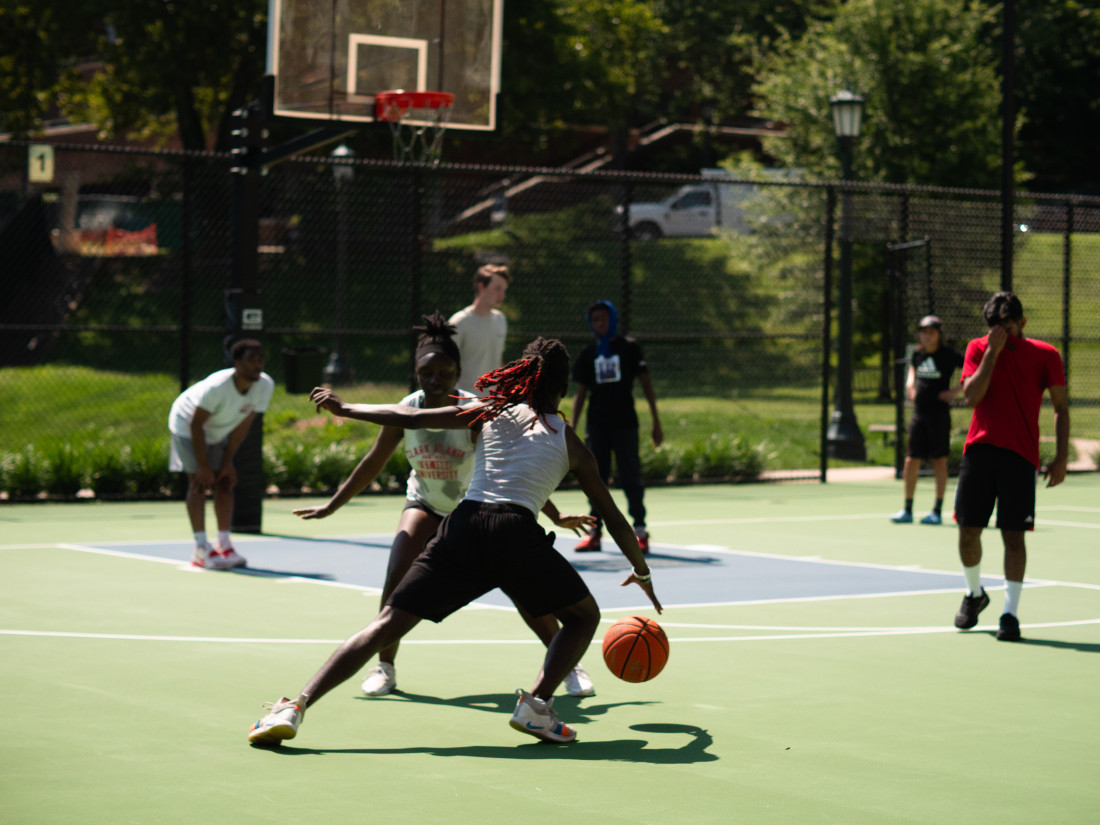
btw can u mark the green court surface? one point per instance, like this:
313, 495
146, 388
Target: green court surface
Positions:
131, 682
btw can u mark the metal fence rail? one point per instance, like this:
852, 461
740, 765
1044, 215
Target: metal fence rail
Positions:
124, 262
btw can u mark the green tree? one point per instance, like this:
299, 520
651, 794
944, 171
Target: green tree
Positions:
1057, 71
162, 68
711, 49
928, 73
38, 44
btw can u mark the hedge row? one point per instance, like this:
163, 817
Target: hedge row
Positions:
66, 471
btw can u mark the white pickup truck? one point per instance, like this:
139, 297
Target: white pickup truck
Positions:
696, 209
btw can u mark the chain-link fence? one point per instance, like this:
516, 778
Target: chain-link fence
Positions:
124, 265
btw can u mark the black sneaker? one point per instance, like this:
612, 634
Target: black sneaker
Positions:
1010, 628
967, 616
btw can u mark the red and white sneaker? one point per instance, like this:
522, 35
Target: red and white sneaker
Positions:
208, 558
589, 544
643, 539
231, 557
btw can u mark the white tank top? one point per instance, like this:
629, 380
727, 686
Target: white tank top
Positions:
442, 461
516, 463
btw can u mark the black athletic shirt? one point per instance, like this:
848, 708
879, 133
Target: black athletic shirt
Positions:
610, 383
933, 372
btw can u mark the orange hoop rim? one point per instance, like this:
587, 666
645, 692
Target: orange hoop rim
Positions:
393, 105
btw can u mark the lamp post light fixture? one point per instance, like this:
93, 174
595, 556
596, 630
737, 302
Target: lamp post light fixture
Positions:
337, 371
844, 439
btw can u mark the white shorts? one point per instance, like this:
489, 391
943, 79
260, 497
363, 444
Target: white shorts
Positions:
181, 455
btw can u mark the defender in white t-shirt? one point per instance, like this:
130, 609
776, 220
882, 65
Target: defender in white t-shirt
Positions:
208, 422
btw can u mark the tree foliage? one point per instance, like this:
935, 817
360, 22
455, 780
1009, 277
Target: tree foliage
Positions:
928, 74
162, 68
930, 70
1057, 72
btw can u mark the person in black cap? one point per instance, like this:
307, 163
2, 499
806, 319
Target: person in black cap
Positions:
928, 387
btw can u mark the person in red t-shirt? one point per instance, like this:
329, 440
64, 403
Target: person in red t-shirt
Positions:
1004, 377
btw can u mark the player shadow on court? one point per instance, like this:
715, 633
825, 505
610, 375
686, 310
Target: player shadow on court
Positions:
262, 573
1080, 647
615, 750
322, 540
616, 562
569, 706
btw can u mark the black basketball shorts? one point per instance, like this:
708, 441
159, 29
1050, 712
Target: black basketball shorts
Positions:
929, 435
991, 474
479, 547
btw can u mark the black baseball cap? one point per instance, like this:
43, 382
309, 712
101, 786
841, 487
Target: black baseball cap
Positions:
930, 321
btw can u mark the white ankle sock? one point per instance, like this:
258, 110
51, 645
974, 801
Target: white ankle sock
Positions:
223, 539
973, 577
1012, 596
200, 538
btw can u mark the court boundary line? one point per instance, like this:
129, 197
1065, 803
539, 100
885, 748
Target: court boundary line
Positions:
369, 590
825, 633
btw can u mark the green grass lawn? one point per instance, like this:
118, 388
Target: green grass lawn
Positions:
92, 410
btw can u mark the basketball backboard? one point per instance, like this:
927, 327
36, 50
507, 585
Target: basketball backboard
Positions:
330, 57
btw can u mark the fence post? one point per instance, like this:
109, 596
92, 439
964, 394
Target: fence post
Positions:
1067, 248
625, 264
826, 328
185, 275
415, 277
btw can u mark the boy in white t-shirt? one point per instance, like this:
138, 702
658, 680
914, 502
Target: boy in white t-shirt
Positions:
482, 327
208, 422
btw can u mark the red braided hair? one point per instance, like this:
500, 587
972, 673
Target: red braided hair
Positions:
536, 379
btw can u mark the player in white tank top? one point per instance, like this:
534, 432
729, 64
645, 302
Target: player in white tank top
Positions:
521, 416
442, 463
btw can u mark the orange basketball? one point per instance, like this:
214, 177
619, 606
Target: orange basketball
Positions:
635, 649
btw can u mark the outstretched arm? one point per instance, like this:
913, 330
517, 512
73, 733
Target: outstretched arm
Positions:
364, 473
577, 524
583, 465
394, 415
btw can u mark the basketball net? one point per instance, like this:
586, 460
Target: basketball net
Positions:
417, 121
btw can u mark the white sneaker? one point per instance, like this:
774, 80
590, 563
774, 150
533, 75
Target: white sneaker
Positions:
381, 680
281, 723
231, 557
208, 558
579, 683
537, 718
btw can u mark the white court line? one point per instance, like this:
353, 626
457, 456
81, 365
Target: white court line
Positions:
1044, 521
372, 591
824, 633
770, 519
863, 517
186, 567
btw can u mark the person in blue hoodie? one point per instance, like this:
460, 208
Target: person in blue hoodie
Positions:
604, 373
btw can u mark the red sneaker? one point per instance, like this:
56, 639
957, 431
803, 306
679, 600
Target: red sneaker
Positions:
643, 539
590, 543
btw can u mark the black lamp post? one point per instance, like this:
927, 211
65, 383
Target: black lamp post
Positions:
844, 438
337, 371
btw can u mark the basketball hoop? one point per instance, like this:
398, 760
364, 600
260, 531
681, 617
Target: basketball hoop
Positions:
417, 121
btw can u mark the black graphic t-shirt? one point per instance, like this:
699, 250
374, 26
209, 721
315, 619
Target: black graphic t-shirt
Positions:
610, 383
933, 372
